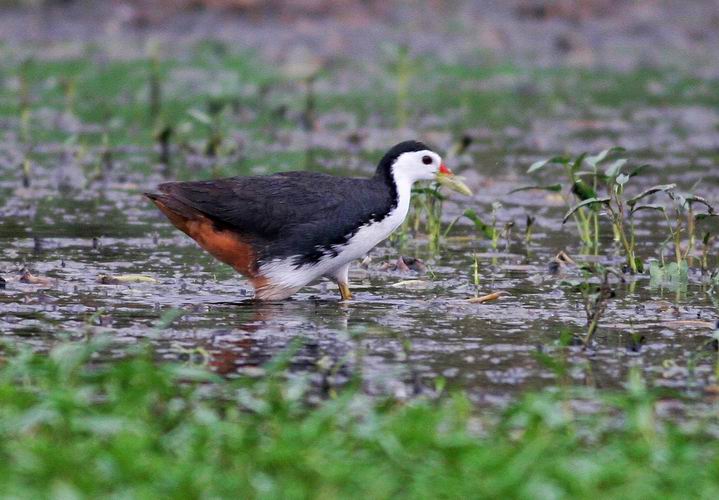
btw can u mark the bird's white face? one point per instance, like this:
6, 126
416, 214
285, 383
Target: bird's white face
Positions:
418, 166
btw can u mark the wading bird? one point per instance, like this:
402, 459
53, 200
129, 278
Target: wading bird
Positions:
287, 230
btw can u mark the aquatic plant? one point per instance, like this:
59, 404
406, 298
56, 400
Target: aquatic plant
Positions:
162, 136
154, 103
595, 290
491, 230
69, 93
528, 229
618, 206
585, 218
402, 68
427, 206
211, 120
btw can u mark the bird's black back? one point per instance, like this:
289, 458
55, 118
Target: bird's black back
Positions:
292, 213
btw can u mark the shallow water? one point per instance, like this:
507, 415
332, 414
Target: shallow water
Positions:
403, 331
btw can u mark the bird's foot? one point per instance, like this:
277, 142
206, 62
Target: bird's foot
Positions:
345, 291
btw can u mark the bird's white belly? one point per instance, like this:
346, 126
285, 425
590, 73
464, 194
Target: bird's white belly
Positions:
284, 273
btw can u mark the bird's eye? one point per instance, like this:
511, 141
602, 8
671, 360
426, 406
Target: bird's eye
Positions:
426, 160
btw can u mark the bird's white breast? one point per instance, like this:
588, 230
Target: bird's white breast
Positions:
284, 273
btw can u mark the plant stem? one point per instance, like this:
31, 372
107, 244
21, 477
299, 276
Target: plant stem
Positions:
689, 255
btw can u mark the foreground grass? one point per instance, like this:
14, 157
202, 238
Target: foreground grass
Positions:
71, 427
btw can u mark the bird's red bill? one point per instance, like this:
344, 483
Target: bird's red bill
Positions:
444, 170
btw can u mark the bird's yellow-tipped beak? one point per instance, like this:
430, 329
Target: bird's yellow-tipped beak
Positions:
446, 178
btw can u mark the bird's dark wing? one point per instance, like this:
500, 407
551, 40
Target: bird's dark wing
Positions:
286, 214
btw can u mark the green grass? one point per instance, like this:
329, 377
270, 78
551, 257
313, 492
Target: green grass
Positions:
73, 427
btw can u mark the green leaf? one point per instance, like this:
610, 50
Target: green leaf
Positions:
654, 189
676, 271
481, 226
670, 272
645, 207
585, 203
693, 198
615, 168
699, 217
639, 265
168, 317
583, 191
429, 192
656, 272
639, 170
552, 187
557, 160
578, 162
602, 155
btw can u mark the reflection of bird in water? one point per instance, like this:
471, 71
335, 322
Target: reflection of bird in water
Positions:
252, 343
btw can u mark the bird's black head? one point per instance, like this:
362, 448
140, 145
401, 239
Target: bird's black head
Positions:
384, 168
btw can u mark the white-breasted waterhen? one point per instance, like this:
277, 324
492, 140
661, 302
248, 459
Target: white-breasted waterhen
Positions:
287, 230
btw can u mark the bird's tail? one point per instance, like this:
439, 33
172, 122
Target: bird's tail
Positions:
174, 209
226, 246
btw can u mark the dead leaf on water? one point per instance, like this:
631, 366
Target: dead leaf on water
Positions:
487, 298
459, 239
26, 277
411, 284
121, 279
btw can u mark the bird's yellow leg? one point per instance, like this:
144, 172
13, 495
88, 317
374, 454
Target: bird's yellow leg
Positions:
342, 279
345, 291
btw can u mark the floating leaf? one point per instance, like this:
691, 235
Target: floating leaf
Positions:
552, 187
487, 298
654, 189
585, 203
106, 279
